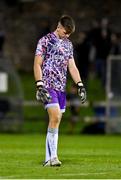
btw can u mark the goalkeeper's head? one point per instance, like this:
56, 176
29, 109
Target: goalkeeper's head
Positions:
66, 26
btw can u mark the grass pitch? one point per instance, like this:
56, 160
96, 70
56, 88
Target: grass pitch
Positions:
82, 157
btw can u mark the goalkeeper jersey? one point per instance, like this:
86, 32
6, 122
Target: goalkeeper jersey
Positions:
56, 54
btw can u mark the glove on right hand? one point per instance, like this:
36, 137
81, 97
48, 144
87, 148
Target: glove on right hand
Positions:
42, 94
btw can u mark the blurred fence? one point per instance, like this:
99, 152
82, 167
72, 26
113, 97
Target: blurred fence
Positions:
11, 97
113, 91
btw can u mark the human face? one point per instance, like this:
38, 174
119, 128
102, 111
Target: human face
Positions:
61, 32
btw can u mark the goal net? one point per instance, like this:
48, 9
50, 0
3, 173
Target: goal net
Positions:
113, 102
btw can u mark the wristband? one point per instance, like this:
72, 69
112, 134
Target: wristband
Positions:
79, 84
39, 83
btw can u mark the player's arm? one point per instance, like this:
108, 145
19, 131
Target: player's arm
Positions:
42, 93
38, 60
74, 72
37, 68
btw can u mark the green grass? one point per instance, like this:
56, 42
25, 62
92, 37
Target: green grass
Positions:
91, 157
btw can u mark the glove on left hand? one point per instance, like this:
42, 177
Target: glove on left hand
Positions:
81, 91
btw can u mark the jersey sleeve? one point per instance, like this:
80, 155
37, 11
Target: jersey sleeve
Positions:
41, 47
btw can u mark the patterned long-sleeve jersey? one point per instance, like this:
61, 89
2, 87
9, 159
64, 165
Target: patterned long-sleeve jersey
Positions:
55, 53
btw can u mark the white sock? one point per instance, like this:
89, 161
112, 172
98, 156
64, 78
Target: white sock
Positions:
51, 143
47, 155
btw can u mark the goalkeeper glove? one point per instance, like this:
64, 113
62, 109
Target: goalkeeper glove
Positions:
42, 94
81, 91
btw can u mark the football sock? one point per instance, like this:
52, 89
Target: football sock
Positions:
51, 143
47, 153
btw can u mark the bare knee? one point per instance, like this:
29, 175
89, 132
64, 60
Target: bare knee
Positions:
54, 117
55, 120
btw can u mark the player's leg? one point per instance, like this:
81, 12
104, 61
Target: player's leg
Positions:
58, 116
52, 134
55, 109
51, 157
55, 115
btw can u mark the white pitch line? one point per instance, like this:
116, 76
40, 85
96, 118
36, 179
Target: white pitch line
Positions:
77, 174
66, 174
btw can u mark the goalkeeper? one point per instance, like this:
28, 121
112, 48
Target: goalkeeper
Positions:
53, 56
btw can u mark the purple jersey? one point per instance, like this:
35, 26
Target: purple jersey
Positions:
56, 54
